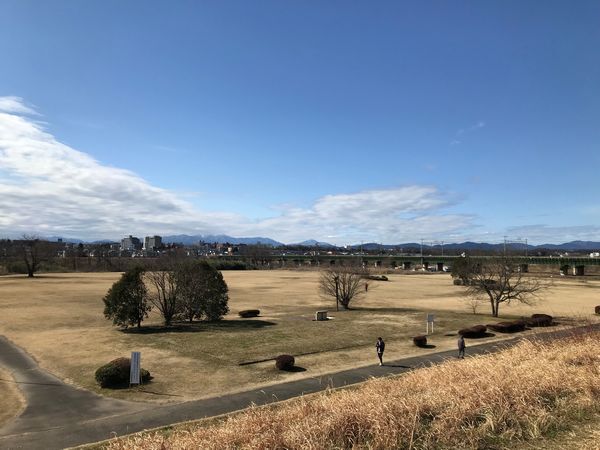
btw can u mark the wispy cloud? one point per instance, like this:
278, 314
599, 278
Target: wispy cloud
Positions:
459, 135
53, 189
15, 105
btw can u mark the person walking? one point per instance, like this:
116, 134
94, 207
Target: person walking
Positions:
380, 346
461, 347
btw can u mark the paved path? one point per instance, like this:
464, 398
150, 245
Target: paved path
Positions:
58, 415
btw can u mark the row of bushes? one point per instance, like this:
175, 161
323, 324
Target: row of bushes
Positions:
116, 373
514, 326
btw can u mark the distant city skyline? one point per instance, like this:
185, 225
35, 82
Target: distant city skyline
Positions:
340, 122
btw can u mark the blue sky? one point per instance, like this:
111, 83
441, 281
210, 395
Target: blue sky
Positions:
338, 121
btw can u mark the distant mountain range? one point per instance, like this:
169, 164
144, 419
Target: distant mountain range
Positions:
369, 246
483, 246
313, 243
219, 238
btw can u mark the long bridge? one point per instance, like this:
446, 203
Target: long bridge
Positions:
577, 265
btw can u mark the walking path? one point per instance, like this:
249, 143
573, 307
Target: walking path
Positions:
59, 415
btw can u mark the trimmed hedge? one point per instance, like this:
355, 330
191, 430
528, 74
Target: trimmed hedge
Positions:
378, 277
116, 373
474, 332
247, 313
539, 320
420, 341
285, 362
508, 327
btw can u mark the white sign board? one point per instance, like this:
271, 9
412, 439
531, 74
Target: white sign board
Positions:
430, 319
134, 370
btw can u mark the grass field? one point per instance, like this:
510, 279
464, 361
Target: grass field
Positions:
58, 319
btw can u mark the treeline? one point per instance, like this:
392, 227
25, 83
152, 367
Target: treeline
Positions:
32, 255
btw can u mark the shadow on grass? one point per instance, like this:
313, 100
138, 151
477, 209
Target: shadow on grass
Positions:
385, 310
200, 327
294, 369
481, 336
146, 391
126, 386
427, 346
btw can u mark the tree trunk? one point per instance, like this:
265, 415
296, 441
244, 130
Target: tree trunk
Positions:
495, 305
494, 308
29, 273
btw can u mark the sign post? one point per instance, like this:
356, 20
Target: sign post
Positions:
134, 369
430, 320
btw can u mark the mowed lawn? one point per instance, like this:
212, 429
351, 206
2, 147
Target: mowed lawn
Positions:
58, 319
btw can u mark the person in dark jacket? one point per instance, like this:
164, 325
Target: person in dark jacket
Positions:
380, 346
461, 347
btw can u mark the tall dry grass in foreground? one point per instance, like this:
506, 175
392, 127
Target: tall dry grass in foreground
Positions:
520, 393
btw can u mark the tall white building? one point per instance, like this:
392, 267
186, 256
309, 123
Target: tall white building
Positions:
152, 242
131, 243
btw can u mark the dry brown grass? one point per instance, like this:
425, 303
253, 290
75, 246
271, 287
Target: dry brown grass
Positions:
66, 309
11, 400
521, 393
581, 436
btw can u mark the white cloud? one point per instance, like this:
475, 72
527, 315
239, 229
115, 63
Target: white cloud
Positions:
52, 189
15, 105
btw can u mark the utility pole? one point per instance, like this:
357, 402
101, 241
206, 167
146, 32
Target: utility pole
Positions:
421, 253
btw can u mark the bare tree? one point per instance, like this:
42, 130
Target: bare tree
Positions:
463, 269
259, 254
473, 303
501, 281
342, 283
164, 297
34, 250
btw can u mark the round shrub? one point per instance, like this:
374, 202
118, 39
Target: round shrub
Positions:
285, 362
247, 313
508, 327
116, 373
420, 341
597, 309
457, 282
474, 332
539, 320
